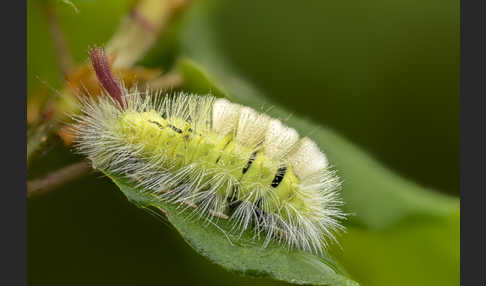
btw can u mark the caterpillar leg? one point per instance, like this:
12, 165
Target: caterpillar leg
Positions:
218, 214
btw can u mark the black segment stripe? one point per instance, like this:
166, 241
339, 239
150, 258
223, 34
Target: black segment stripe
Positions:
250, 161
175, 128
156, 123
170, 125
226, 145
279, 176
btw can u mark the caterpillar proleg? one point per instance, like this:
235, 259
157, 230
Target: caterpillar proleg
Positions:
221, 159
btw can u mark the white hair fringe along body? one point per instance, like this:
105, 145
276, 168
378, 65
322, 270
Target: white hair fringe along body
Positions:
224, 160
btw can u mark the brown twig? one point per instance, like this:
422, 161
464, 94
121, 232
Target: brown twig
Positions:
57, 178
40, 135
64, 58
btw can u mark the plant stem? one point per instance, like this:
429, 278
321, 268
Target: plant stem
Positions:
57, 178
64, 58
140, 29
41, 135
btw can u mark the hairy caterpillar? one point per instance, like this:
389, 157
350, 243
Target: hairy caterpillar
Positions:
224, 160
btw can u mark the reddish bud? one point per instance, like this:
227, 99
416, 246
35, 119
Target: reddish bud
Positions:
105, 76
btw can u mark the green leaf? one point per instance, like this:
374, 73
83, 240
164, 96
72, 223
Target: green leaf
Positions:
197, 80
244, 254
399, 233
412, 252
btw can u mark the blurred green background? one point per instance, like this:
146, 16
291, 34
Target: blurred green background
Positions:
385, 74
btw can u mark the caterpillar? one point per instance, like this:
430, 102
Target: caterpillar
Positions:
218, 158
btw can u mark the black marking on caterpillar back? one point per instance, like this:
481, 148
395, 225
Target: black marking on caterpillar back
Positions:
279, 176
175, 128
224, 148
250, 161
156, 123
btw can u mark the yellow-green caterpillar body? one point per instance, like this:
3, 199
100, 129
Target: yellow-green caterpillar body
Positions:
224, 160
